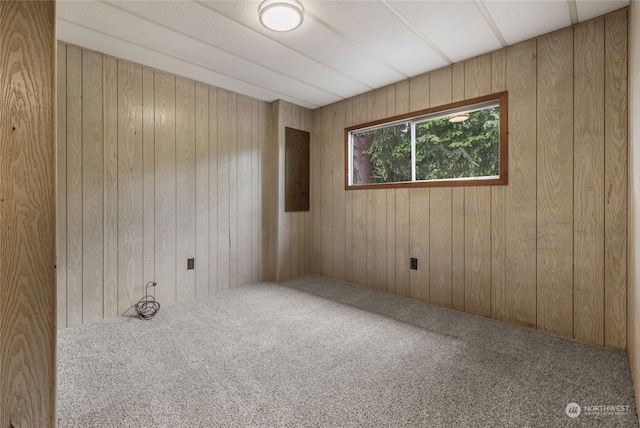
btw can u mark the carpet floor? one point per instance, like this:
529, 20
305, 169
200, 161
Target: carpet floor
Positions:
320, 353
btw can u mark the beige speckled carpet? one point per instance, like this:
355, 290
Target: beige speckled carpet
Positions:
320, 353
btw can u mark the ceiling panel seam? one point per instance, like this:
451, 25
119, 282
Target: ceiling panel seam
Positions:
492, 24
285, 45
298, 100
573, 11
419, 33
108, 3
356, 44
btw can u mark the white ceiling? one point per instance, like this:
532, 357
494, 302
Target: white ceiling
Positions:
342, 49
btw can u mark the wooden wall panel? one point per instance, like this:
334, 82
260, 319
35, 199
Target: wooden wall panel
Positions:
294, 217
520, 217
92, 187
338, 219
615, 185
110, 113
477, 200
326, 199
244, 191
202, 214
129, 180
545, 251
588, 167
185, 188
27, 189
155, 165
457, 211
148, 176
61, 187
555, 183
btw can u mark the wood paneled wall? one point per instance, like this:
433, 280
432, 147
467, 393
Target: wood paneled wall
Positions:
294, 228
154, 169
27, 214
547, 251
633, 341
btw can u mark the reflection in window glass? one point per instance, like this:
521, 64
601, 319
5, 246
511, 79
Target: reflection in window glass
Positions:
382, 155
465, 145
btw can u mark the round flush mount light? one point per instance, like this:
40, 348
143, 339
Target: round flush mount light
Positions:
281, 15
459, 118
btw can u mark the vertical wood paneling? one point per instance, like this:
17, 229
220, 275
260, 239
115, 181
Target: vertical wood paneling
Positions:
391, 208
256, 195
348, 209
308, 216
283, 118
359, 210
338, 193
457, 210
316, 174
233, 190
520, 218
143, 154
202, 178
477, 200
28, 213
165, 186
498, 208
269, 175
376, 209
110, 112
130, 208
61, 188
419, 206
214, 204
615, 186
440, 232
588, 167
185, 189
326, 199
148, 177
402, 209
244, 190
92, 187
555, 183
294, 217
224, 239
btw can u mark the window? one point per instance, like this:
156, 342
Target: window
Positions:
459, 144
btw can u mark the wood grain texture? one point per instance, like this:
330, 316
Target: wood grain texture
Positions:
256, 194
477, 200
359, 210
588, 186
615, 186
316, 174
348, 209
440, 231
223, 238
555, 184
92, 188
110, 214
402, 208
308, 216
457, 209
326, 199
294, 217
520, 218
233, 190
419, 243
214, 284
130, 197
268, 168
165, 186
61, 187
391, 209
27, 204
283, 116
244, 190
148, 176
202, 178
185, 189
498, 208
338, 193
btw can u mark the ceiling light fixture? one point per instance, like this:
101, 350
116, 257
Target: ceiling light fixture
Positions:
459, 118
281, 15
